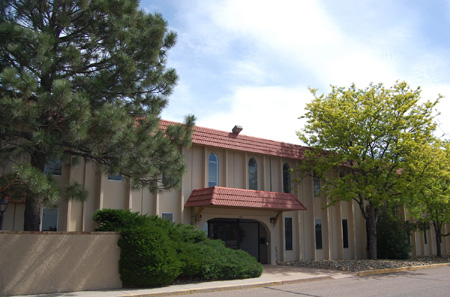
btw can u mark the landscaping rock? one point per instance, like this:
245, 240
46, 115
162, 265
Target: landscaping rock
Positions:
367, 265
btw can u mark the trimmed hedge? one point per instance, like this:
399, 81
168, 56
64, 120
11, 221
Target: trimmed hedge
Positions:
148, 257
155, 252
211, 260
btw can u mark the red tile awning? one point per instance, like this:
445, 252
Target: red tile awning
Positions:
241, 198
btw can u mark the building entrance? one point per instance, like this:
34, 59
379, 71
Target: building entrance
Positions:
247, 235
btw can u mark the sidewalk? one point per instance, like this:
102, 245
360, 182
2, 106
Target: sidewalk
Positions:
272, 275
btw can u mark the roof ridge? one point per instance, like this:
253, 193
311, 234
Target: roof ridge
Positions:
242, 142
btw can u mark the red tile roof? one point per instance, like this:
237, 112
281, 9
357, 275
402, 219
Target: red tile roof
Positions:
239, 142
231, 197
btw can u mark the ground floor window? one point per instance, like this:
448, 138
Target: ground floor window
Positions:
318, 227
167, 216
345, 233
49, 219
288, 233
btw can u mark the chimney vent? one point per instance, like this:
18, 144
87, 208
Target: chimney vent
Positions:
237, 129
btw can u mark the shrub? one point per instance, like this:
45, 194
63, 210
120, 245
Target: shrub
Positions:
154, 252
118, 219
148, 257
211, 260
392, 238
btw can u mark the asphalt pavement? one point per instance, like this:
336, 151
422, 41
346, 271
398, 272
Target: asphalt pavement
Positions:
272, 275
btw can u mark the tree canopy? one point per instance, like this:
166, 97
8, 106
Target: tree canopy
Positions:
85, 79
429, 175
360, 140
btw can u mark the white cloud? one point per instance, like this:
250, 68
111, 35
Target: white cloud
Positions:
266, 112
238, 60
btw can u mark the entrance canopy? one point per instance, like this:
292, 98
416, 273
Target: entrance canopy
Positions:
241, 198
231, 197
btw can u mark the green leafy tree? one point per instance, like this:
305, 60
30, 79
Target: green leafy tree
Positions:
429, 172
360, 139
85, 79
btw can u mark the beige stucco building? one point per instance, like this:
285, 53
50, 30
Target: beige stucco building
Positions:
236, 188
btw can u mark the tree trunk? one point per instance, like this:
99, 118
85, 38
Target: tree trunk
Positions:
437, 231
32, 215
32, 220
371, 222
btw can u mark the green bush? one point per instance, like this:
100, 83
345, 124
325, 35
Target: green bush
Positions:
148, 257
211, 260
118, 219
154, 252
392, 238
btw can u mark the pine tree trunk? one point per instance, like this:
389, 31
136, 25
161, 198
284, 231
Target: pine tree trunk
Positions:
32, 220
32, 215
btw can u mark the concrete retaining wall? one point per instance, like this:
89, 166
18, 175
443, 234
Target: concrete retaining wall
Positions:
48, 262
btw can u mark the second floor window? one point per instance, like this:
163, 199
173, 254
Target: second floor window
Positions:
316, 185
252, 174
286, 178
213, 170
53, 167
115, 176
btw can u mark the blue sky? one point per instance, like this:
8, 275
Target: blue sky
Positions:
250, 62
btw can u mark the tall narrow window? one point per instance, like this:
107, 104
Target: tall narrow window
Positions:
252, 174
288, 233
213, 170
286, 178
345, 233
316, 185
425, 240
53, 167
318, 227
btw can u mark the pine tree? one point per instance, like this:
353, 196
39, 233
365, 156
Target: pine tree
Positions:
85, 79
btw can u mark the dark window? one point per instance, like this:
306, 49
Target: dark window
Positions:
49, 219
115, 176
345, 233
425, 233
167, 216
252, 174
288, 233
286, 178
213, 170
316, 185
318, 226
53, 167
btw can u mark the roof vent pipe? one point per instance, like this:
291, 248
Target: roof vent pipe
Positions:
237, 129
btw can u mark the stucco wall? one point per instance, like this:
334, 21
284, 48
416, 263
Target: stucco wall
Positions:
48, 262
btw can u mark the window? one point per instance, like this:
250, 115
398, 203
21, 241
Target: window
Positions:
49, 219
288, 233
345, 233
252, 174
213, 170
318, 226
167, 216
316, 185
53, 167
115, 176
425, 240
286, 178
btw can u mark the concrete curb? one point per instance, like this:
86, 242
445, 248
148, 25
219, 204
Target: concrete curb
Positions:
230, 287
400, 269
